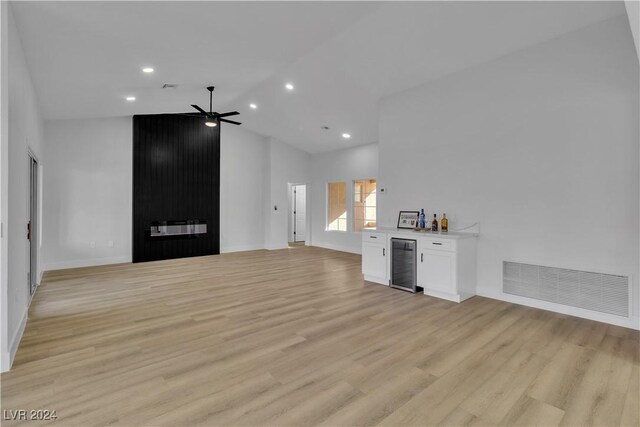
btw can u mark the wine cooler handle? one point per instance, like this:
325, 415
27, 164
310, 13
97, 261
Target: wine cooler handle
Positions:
421, 257
384, 251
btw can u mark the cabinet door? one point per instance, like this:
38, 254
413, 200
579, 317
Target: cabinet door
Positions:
438, 271
374, 260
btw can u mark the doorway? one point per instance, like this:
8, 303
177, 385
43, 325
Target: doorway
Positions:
32, 226
298, 213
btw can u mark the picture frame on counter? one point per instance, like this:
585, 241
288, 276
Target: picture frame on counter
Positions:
408, 219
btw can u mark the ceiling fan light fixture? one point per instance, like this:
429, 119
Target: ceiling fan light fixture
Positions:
211, 118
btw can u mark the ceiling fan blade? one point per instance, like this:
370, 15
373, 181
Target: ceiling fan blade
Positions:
196, 115
200, 109
232, 113
230, 121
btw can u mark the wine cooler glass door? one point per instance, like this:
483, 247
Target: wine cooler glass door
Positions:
403, 264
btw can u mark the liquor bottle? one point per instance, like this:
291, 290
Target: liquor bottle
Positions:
444, 223
421, 222
434, 223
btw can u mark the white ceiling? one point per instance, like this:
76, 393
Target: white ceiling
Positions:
342, 57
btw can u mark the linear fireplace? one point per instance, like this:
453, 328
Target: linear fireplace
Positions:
177, 229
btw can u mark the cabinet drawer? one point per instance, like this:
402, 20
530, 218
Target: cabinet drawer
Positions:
438, 244
374, 238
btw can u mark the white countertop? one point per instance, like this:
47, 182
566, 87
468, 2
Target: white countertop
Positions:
455, 235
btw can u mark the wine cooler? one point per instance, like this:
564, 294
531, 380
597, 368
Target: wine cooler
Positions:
404, 264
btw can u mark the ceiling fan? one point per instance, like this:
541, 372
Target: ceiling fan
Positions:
212, 117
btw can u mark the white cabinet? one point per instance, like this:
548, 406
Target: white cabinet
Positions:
447, 268
446, 263
374, 263
374, 257
437, 271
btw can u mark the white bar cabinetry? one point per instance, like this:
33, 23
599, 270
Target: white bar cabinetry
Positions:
446, 262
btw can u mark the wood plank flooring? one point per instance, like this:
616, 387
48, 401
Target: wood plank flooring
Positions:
295, 338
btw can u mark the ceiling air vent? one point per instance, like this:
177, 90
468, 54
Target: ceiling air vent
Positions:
169, 86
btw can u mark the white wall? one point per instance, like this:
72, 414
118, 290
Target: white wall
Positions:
540, 147
243, 178
288, 165
341, 165
87, 192
23, 132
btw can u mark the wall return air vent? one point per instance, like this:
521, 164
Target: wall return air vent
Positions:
604, 293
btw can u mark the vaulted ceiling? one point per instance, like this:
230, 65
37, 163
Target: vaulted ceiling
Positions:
341, 57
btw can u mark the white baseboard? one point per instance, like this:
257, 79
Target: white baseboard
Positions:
241, 248
626, 322
61, 265
276, 247
7, 358
337, 247
374, 279
444, 295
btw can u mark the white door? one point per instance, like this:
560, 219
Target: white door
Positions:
299, 213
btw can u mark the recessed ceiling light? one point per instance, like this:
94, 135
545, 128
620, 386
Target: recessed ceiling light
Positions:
346, 135
210, 124
289, 86
253, 106
131, 98
147, 70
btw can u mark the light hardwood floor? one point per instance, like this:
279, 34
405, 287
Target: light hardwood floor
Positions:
295, 337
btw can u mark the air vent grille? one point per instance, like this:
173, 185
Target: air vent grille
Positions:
604, 293
169, 86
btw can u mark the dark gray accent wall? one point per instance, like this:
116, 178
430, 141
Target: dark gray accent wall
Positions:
176, 177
